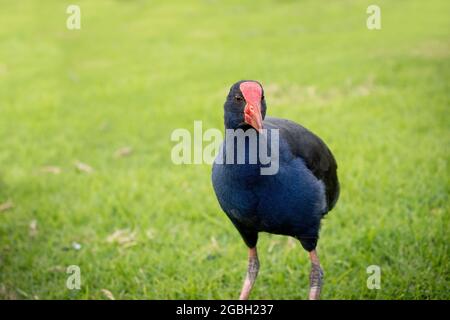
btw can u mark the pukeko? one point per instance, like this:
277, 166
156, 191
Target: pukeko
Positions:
291, 202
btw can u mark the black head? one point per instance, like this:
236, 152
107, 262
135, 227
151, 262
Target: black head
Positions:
245, 106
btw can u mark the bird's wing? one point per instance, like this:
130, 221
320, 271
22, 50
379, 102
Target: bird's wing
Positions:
318, 158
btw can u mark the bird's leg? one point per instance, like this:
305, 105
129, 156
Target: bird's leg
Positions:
315, 276
252, 272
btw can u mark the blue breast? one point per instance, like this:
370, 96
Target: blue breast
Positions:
291, 202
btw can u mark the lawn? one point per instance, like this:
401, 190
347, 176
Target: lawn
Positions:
86, 176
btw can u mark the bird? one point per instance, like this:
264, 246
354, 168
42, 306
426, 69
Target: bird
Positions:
290, 202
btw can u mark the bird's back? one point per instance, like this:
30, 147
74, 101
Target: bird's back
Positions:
313, 151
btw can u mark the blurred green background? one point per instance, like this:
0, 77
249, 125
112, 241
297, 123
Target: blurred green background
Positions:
109, 96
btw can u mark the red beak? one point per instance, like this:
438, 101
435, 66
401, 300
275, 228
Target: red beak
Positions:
252, 93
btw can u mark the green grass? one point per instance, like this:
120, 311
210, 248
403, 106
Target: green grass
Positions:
137, 70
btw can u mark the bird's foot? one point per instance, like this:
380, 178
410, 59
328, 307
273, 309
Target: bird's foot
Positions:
315, 281
252, 272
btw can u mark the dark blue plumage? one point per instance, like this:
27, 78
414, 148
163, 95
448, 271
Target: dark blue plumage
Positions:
293, 201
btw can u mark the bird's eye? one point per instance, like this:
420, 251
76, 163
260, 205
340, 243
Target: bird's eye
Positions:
238, 98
